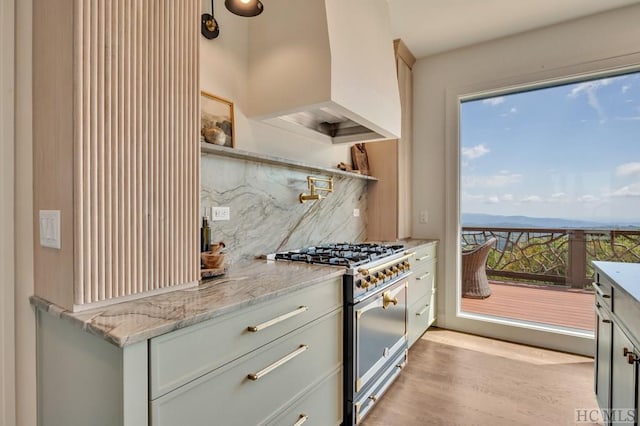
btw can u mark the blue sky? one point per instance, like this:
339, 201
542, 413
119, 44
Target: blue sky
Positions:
569, 151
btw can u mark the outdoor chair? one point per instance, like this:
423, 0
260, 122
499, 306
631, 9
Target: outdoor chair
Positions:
474, 276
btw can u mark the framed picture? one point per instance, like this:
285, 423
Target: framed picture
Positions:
216, 120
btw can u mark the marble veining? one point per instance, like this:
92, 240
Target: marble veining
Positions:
266, 215
244, 285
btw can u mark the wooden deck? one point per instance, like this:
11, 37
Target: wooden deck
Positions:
562, 308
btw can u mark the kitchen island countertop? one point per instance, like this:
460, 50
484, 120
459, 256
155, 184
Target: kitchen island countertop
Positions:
244, 285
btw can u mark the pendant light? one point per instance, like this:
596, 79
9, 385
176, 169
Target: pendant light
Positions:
246, 8
209, 26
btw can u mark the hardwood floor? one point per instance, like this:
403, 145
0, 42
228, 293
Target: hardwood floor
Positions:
459, 379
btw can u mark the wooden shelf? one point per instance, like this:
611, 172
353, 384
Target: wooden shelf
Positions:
207, 148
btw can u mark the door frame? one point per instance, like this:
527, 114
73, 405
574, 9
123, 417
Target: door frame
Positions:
7, 184
504, 329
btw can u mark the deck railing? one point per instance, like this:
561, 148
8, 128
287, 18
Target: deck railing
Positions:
560, 257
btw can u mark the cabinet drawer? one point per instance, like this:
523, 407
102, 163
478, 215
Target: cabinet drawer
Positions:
603, 287
418, 318
184, 355
422, 282
424, 255
322, 406
227, 396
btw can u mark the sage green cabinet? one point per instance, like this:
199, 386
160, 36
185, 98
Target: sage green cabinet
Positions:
268, 363
617, 355
422, 291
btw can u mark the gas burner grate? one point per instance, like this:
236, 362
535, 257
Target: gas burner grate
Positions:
342, 254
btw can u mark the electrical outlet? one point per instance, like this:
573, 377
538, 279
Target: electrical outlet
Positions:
356, 212
50, 228
424, 216
221, 213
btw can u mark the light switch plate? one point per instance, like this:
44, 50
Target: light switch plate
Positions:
220, 213
424, 216
50, 228
356, 212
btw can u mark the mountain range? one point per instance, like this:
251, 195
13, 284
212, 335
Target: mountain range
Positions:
496, 221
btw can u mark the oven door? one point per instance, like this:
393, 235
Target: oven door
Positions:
380, 331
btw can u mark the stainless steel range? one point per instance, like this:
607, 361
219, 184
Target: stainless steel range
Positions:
375, 334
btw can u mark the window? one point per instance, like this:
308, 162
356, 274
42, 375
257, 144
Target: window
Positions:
553, 174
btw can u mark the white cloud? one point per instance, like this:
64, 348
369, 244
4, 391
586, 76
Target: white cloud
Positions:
493, 200
587, 198
493, 101
468, 196
632, 190
559, 195
512, 111
491, 181
628, 169
531, 199
507, 197
474, 151
625, 88
590, 88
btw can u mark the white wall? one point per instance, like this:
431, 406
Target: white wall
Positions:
7, 272
224, 66
579, 46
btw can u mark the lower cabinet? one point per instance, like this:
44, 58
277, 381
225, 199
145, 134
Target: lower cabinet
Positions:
604, 331
422, 292
617, 354
278, 362
260, 384
624, 379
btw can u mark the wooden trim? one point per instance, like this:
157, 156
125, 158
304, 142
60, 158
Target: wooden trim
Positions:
403, 52
116, 128
7, 222
134, 219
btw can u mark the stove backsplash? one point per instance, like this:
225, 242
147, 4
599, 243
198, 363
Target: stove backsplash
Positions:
266, 215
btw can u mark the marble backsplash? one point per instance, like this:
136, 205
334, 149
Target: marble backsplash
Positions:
266, 215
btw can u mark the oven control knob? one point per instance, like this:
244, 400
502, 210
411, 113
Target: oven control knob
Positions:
382, 275
407, 265
395, 270
373, 280
364, 283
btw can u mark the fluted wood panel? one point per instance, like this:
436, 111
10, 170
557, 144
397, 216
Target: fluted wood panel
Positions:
136, 156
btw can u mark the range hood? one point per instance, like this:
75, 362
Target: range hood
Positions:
325, 69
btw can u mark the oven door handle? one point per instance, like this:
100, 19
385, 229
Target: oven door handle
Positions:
382, 300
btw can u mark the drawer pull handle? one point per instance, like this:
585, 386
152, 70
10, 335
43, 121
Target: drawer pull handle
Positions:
267, 324
423, 257
268, 369
423, 277
602, 293
422, 311
303, 418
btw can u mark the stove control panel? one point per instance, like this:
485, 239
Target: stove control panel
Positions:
379, 275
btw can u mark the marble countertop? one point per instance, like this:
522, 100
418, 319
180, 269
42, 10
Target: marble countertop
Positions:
626, 275
244, 285
413, 243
